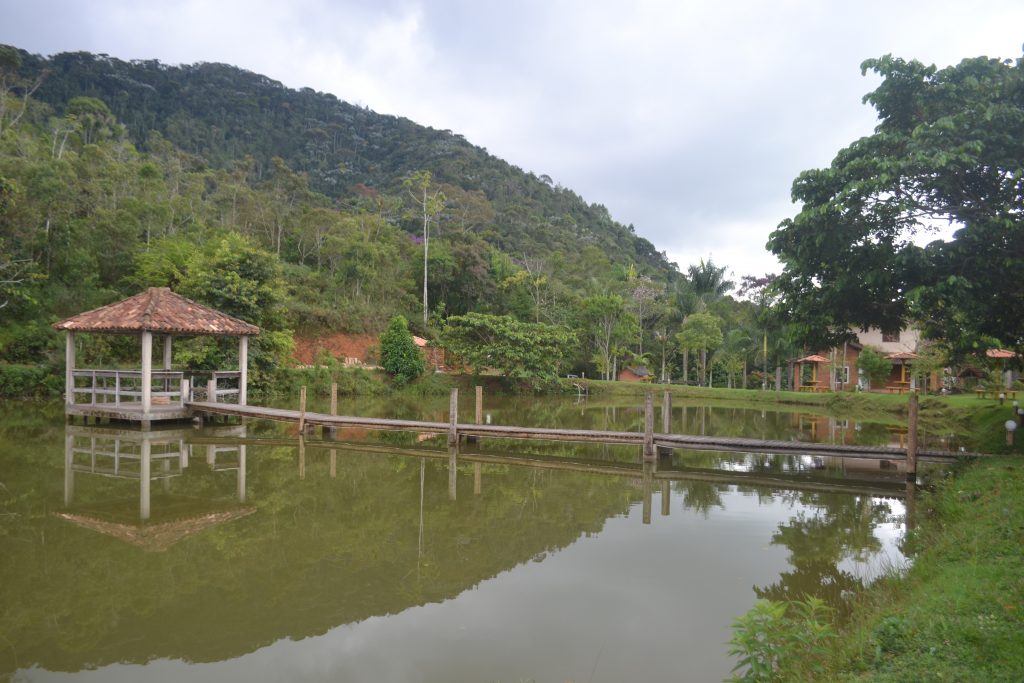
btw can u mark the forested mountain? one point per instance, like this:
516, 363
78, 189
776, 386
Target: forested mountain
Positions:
301, 213
222, 114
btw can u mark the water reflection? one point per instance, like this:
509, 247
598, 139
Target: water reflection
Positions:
147, 457
278, 550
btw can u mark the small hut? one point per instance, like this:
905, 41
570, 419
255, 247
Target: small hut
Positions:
814, 360
146, 395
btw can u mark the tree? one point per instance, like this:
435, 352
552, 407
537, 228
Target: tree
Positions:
527, 351
428, 204
399, 355
701, 332
948, 149
708, 282
875, 366
605, 322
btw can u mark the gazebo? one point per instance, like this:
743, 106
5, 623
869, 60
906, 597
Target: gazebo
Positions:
999, 355
144, 395
901, 358
814, 360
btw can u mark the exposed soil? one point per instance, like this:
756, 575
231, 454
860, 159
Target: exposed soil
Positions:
363, 347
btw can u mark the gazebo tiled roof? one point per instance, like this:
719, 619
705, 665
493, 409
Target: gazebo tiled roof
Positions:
903, 355
999, 353
814, 358
158, 310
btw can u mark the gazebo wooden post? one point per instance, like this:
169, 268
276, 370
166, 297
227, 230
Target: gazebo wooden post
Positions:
243, 368
147, 377
69, 369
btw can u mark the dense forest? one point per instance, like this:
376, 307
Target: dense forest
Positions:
305, 214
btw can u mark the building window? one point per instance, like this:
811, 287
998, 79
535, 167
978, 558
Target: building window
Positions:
843, 375
893, 337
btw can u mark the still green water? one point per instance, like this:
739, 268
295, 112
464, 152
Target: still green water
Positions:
234, 554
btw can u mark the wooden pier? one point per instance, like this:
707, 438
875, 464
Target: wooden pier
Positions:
651, 442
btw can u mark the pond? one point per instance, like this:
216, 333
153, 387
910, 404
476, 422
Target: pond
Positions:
237, 552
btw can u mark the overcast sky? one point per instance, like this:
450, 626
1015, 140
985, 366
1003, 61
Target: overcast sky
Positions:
689, 120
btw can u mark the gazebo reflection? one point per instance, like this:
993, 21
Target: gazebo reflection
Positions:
146, 457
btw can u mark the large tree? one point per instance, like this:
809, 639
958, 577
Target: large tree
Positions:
948, 150
533, 352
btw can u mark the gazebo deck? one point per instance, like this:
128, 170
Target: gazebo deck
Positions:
128, 412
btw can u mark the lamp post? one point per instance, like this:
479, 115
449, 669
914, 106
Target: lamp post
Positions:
1011, 427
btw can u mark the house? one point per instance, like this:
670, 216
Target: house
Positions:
836, 369
637, 373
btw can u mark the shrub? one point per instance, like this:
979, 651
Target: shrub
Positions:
399, 355
781, 641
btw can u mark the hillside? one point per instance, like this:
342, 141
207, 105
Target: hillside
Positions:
222, 114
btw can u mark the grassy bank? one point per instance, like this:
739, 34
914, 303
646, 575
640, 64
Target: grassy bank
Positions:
958, 613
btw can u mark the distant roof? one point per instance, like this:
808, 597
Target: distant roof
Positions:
903, 355
1000, 353
813, 358
639, 370
157, 309
420, 341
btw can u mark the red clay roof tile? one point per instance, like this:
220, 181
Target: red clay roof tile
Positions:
160, 310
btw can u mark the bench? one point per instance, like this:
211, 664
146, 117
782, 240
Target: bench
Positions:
1007, 393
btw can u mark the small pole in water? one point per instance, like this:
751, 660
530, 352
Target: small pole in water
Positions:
453, 418
302, 409
648, 426
912, 437
666, 420
479, 417
331, 431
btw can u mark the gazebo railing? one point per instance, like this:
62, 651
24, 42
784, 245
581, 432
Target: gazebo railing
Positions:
119, 387
220, 386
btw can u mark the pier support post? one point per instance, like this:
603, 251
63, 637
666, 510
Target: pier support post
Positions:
666, 421
666, 497
302, 457
478, 417
912, 409
332, 431
302, 410
648, 427
453, 419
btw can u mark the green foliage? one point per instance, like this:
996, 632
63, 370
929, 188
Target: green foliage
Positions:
782, 641
25, 381
948, 149
399, 355
875, 366
533, 352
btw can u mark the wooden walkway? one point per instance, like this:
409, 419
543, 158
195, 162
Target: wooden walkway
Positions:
456, 430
